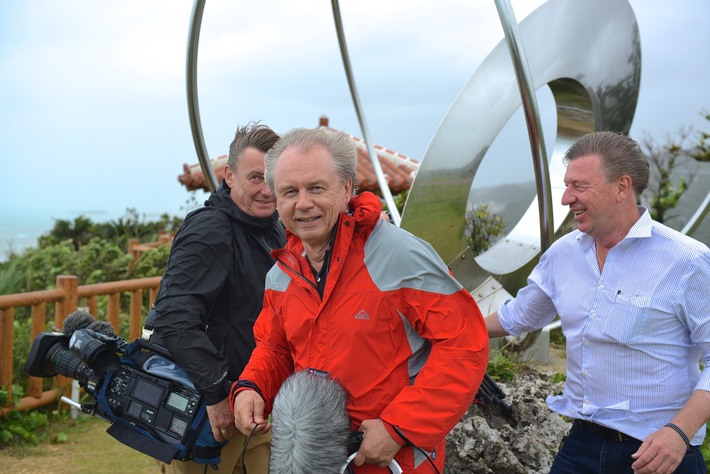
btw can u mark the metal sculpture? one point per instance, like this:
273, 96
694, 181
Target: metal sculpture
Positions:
586, 51
193, 105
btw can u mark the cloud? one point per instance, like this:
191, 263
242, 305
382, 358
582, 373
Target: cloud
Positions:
94, 92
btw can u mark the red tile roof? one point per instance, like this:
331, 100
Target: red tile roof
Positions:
399, 170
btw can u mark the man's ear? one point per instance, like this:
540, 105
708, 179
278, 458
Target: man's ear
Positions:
228, 176
624, 187
347, 193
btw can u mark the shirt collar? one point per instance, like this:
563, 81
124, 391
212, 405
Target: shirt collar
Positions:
642, 228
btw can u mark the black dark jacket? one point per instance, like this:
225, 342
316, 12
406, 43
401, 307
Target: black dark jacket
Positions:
212, 291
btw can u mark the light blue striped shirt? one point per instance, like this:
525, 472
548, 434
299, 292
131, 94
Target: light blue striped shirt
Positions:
635, 333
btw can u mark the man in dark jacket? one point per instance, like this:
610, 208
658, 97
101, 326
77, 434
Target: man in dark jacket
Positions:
212, 291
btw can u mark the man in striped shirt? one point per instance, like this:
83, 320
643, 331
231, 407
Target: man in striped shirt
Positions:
633, 297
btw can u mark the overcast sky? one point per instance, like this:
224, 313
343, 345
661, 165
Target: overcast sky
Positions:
93, 110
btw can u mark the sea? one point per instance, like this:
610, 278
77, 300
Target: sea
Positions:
21, 228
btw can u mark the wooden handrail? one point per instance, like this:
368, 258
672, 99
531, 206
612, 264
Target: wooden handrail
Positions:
99, 289
30, 298
65, 297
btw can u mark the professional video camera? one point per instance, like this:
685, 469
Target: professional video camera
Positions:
151, 403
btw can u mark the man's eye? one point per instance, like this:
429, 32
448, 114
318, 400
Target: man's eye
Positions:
257, 179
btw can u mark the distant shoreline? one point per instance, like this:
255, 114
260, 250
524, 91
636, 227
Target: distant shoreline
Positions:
21, 228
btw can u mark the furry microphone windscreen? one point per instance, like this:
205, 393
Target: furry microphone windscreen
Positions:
81, 319
310, 426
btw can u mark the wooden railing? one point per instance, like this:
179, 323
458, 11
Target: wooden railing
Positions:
136, 248
66, 299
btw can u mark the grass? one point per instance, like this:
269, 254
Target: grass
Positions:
84, 448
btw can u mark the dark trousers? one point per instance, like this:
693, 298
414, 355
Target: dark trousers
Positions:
593, 449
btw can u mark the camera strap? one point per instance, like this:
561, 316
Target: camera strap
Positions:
126, 434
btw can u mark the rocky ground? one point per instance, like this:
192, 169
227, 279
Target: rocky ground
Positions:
488, 442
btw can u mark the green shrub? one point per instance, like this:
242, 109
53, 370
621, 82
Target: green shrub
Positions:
152, 262
502, 367
43, 265
27, 427
558, 377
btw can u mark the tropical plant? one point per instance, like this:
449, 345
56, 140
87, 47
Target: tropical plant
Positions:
152, 262
79, 232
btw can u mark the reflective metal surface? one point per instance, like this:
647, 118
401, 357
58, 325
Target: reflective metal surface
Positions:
381, 180
588, 52
698, 217
193, 107
532, 119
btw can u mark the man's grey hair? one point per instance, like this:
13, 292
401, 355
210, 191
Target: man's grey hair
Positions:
310, 426
620, 154
340, 146
254, 135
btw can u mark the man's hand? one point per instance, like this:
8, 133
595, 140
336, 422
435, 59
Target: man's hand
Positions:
660, 453
221, 421
249, 411
377, 446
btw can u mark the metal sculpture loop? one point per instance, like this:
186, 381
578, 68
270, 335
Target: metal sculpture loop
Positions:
588, 54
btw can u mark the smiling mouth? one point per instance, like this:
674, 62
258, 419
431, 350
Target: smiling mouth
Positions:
308, 219
578, 212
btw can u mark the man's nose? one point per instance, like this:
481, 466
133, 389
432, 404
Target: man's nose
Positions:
266, 190
567, 197
304, 201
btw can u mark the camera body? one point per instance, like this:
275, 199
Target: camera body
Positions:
163, 406
149, 400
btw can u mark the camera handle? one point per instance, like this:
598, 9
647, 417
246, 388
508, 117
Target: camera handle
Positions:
88, 409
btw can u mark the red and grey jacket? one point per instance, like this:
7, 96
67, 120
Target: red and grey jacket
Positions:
394, 327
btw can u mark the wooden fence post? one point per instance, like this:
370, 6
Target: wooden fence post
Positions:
69, 284
135, 326
113, 311
39, 323
132, 248
91, 303
7, 332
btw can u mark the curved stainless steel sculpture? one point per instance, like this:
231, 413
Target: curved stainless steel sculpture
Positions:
381, 180
532, 120
698, 217
586, 51
193, 106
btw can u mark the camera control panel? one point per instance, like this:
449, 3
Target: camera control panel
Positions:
163, 406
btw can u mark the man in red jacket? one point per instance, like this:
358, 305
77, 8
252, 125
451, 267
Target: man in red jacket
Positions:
365, 303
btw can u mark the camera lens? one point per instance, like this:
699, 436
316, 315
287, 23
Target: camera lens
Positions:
95, 353
50, 356
64, 362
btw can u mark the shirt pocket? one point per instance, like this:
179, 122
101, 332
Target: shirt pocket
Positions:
627, 320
